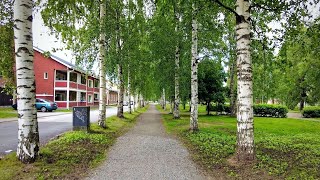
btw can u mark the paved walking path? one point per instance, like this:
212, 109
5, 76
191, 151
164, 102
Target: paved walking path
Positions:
295, 115
147, 152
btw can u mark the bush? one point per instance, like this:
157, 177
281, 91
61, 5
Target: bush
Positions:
311, 111
220, 108
270, 110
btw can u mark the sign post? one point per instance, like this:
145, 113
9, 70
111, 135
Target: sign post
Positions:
81, 118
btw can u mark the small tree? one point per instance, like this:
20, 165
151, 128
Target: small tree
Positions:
211, 78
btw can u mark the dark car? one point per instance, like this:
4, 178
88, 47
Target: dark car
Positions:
43, 105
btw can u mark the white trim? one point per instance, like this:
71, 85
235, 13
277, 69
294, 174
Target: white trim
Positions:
44, 95
45, 75
54, 84
68, 88
91, 83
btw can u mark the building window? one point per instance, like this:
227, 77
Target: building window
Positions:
61, 96
83, 79
90, 83
72, 96
96, 97
61, 75
73, 77
90, 98
45, 75
96, 83
83, 96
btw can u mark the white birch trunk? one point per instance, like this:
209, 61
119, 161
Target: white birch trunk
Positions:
121, 92
28, 133
176, 112
129, 94
138, 100
245, 138
194, 73
102, 72
164, 99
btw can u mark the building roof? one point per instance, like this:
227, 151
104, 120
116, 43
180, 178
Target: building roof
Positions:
63, 62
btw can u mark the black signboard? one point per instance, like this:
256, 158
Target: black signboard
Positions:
81, 118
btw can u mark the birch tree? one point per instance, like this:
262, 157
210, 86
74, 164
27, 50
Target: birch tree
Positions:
245, 138
176, 112
194, 72
102, 72
28, 133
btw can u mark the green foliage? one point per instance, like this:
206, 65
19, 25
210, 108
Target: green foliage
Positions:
220, 108
285, 148
214, 146
270, 110
210, 79
311, 111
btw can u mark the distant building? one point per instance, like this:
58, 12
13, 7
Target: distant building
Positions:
60, 81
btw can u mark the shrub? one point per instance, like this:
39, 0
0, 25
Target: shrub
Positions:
220, 108
270, 110
311, 111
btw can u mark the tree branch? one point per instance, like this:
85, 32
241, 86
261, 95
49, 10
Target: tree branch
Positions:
263, 7
226, 7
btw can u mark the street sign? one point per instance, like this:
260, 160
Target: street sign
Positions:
81, 118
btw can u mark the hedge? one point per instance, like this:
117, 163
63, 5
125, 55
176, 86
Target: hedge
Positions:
270, 110
263, 110
311, 111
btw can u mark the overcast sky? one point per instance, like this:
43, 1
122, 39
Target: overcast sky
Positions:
43, 40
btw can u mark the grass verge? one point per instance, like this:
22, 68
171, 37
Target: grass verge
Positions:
285, 148
8, 112
71, 155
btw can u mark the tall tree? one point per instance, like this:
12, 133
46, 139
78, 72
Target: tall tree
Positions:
176, 112
245, 138
28, 133
102, 72
194, 72
211, 78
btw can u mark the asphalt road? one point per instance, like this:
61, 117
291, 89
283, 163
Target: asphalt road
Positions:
51, 124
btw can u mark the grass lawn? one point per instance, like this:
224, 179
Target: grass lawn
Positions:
7, 112
71, 155
285, 148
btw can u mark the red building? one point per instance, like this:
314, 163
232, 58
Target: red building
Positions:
60, 81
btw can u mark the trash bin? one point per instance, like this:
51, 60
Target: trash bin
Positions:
81, 118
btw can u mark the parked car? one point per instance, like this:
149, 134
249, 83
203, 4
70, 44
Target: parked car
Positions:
43, 105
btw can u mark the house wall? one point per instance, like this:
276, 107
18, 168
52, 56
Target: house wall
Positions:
45, 87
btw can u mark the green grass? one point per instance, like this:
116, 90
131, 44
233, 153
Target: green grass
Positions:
71, 155
7, 112
63, 110
285, 148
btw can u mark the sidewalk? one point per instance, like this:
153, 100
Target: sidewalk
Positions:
147, 152
295, 115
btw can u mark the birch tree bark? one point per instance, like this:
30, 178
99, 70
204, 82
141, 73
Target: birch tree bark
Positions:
164, 99
28, 134
129, 94
194, 73
176, 112
121, 92
245, 138
102, 72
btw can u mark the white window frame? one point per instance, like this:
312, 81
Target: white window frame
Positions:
45, 75
90, 98
90, 80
